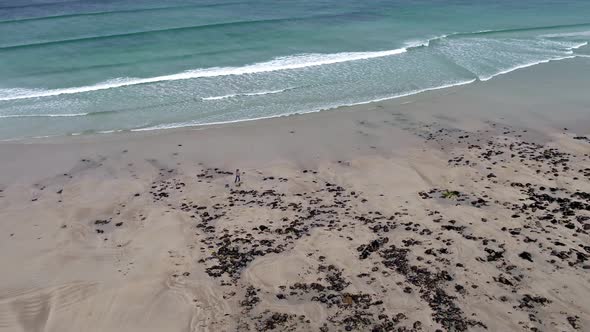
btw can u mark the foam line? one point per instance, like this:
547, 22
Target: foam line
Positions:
278, 64
261, 93
42, 115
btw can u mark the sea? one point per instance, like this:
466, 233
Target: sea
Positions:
76, 67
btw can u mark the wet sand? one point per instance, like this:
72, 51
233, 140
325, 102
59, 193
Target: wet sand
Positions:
465, 209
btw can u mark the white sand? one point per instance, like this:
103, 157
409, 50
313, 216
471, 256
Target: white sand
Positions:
284, 251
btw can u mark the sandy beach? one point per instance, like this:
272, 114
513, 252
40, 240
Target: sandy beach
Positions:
464, 209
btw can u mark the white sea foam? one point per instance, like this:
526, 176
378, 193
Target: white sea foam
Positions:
221, 97
110, 131
422, 42
526, 65
42, 115
261, 93
534, 63
579, 45
567, 34
278, 64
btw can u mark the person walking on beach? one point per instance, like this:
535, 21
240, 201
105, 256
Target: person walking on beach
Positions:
238, 179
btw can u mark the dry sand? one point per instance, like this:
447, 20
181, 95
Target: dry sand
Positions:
444, 211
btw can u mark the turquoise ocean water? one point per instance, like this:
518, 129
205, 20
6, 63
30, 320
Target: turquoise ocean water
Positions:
71, 67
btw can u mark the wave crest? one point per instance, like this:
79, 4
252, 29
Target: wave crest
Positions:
278, 64
66, 115
261, 93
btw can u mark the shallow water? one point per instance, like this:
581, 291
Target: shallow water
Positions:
93, 66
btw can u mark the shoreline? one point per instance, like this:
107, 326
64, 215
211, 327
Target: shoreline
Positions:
462, 209
460, 107
368, 104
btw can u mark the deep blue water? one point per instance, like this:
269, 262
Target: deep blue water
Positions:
90, 66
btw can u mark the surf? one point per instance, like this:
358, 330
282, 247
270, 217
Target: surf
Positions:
295, 62
534, 63
65, 115
245, 94
278, 64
